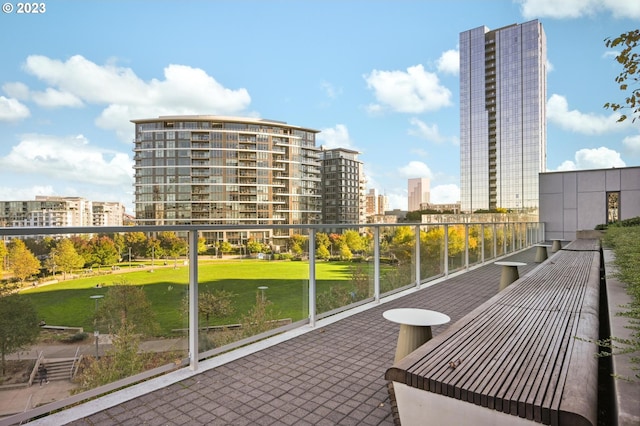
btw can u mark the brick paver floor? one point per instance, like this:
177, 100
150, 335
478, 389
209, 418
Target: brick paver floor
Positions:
333, 375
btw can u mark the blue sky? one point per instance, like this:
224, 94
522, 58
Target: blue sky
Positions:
380, 77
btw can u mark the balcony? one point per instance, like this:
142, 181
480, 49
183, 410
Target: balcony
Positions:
304, 370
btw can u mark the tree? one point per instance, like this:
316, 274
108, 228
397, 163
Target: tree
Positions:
125, 304
630, 75
255, 246
323, 253
137, 241
213, 303
21, 261
103, 251
153, 249
172, 246
202, 245
322, 239
122, 360
297, 243
353, 240
3, 254
65, 258
18, 324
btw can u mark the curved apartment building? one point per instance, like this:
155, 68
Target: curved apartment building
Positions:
225, 170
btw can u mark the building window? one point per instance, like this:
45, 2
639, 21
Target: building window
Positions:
613, 207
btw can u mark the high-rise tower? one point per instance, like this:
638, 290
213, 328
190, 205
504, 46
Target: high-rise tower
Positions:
503, 87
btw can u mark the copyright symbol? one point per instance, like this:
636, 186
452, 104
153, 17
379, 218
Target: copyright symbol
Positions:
7, 8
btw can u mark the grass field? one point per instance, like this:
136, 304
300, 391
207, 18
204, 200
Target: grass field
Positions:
67, 303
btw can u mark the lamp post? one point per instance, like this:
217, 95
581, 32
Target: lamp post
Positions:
262, 289
96, 333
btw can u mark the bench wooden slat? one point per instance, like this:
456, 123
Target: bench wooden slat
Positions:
517, 352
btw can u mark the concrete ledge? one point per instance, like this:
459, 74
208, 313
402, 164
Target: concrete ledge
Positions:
626, 385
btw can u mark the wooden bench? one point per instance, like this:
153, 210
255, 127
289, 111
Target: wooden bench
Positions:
526, 355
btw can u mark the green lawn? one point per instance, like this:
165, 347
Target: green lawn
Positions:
67, 303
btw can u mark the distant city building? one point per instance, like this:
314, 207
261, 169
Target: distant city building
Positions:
449, 208
503, 93
54, 211
398, 214
376, 204
419, 192
108, 213
343, 196
204, 169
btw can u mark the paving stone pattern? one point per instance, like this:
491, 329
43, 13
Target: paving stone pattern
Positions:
330, 376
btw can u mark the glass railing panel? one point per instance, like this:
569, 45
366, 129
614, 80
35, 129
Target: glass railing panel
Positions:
344, 268
475, 243
509, 238
488, 238
243, 295
456, 247
105, 299
397, 258
432, 251
501, 239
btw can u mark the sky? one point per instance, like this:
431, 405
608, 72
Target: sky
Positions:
379, 77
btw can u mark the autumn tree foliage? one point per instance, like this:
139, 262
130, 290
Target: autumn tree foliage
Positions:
629, 79
21, 262
65, 258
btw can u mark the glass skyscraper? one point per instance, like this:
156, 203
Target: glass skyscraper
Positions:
503, 89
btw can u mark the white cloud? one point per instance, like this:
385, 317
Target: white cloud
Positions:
12, 110
429, 132
598, 158
184, 90
398, 199
445, 194
336, 137
632, 144
449, 62
19, 91
413, 91
532, 9
415, 169
52, 98
71, 159
25, 193
575, 121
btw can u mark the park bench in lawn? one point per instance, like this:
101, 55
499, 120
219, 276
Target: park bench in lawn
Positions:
526, 355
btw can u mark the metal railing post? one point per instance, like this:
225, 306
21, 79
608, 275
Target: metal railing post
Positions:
376, 263
482, 243
417, 233
495, 241
312, 277
466, 246
193, 299
446, 250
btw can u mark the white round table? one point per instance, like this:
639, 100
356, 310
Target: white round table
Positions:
415, 327
509, 273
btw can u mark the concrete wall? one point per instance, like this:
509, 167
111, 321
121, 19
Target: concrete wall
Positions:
576, 200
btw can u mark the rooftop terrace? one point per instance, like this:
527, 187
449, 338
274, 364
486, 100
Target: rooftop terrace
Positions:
329, 374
